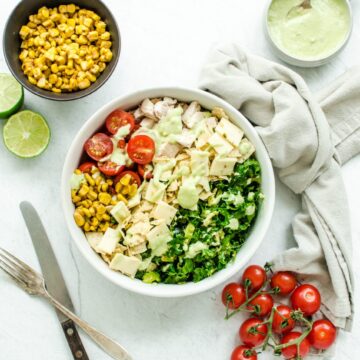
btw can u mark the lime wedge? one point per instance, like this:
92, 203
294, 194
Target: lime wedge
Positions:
11, 95
26, 134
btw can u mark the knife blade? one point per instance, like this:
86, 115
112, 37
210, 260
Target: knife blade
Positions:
54, 280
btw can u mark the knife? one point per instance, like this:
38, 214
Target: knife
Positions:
54, 280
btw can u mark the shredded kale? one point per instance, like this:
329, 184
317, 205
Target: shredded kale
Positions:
221, 222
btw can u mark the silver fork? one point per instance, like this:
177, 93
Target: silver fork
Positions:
34, 284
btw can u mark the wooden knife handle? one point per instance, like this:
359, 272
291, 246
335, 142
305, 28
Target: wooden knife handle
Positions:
73, 338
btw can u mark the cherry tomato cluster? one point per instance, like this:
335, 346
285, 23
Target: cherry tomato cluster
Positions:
139, 148
274, 325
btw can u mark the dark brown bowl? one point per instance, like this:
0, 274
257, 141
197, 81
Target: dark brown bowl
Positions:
12, 42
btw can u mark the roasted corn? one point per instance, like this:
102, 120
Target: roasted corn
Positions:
64, 49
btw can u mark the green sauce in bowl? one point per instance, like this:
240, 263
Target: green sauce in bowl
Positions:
309, 34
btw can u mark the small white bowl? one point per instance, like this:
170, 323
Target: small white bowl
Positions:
258, 231
281, 54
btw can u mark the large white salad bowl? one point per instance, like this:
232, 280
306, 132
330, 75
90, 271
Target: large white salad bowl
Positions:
256, 235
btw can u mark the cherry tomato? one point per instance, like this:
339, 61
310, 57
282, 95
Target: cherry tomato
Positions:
252, 332
134, 175
141, 170
261, 305
290, 352
233, 295
322, 335
110, 168
284, 282
98, 146
141, 149
255, 275
283, 322
306, 298
86, 167
243, 353
121, 144
117, 119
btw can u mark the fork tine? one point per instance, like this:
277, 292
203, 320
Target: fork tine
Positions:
18, 262
6, 268
25, 275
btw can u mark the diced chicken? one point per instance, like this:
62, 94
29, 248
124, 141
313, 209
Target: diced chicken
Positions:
190, 111
138, 114
229, 131
161, 108
186, 138
165, 212
220, 145
128, 265
199, 163
147, 108
203, 138
211, 122
169, 150
194, 119
109, 241
222, 166
120, 212
147, 123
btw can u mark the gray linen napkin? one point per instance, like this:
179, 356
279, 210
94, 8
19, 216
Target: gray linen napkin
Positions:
308, 138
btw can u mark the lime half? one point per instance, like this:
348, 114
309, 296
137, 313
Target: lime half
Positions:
26, 134
11, 95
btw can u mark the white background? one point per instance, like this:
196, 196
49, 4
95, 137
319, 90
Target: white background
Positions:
165, 42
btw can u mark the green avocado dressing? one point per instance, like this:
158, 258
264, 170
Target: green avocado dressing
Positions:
309, 34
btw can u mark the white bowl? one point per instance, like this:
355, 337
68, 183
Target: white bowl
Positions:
255, 237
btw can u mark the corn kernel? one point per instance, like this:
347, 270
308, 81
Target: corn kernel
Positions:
79, 219
83, 191
105, 198
125, 180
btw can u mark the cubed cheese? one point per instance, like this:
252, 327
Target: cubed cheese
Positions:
155, 191
203, 138
134, 239
169, 150
199, 163
222, 166
120, 212
165, 212
128, 265
108, 242
158, 238
229, 131
220, 145
139, 228
134, 201
138, 249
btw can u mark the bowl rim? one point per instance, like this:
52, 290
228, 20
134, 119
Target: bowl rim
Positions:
168, 290
75, 95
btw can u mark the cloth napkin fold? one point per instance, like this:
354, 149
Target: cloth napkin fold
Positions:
308, 137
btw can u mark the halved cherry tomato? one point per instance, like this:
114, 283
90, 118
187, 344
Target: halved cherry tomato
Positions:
291, 352
98, 146
243, 352
306, 298
261, 305
283, 282
141, 149
255, 276
233, 295
141, 170
252, 332
121, 144
86, 167
117, 119
283, 322
322, 334
110, 168
133, 174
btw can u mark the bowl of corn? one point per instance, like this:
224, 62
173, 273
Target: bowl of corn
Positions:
63, 49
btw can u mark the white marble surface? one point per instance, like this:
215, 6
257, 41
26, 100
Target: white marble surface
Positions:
164, 43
